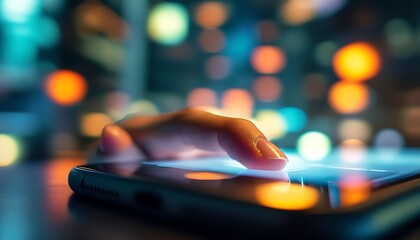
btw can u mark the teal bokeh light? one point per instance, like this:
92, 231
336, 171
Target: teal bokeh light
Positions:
295, 118
48, 32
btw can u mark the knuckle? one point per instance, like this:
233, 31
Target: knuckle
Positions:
188, 113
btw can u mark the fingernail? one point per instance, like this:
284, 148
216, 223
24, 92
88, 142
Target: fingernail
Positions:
269, 150
112, 140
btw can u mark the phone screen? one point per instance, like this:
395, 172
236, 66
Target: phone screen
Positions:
300, 186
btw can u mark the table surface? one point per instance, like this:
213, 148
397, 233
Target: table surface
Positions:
36, 203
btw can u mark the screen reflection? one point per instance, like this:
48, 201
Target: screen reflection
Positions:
287, 196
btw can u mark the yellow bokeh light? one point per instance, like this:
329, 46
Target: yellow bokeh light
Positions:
348, 98
92, 124
285, 195
65, 87
268, 59
314, 146
206, 176
168, 23
9, 150
211, 14
271, 124
356, 62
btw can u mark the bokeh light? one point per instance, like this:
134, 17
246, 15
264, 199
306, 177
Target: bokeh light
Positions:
296, 12
199, 97
296, 41
267, 88
314, 146
48, 32
211, 14
211, 40
91, 124
399, 35
388, 138
145, 107
295, 118
268, 59
325, 8
354, 189
324, 53
349, 98
315, 86
411, 121
271, 123
218, 67
356, 62
207, 176
116, 104
352, 150
354, 129
168, 23
268, 31
96, 17
19, 10
65, 87
285, 195
9, 150
237, 103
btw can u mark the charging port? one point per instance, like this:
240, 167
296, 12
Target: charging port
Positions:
148, 200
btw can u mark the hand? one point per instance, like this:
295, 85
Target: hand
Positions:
172, 135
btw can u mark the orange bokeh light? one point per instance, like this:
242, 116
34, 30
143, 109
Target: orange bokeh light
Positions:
206, 176
295, 12
65, 87
348, 98
268, 59
237, 103
354, 189
211, 14
267, 88
356, 62
285, 195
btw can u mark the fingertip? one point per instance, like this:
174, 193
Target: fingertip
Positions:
114, 139
243, 141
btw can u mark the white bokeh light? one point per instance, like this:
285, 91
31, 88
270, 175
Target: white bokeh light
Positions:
314, 146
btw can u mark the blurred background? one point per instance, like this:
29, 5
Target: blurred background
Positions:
312, 74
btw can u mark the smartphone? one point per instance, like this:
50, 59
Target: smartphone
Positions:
371, 199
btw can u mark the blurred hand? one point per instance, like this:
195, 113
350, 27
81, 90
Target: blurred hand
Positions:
173, 135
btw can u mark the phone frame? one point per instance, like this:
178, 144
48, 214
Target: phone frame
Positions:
388, 209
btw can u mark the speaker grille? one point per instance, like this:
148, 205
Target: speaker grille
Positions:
103, 191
